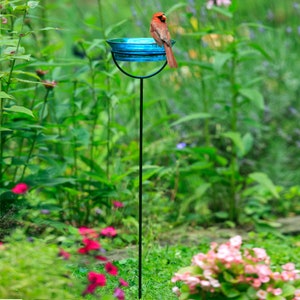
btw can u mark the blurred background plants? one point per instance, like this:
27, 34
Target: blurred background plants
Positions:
221, 132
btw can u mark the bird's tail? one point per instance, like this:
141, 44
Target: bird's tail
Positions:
170, 56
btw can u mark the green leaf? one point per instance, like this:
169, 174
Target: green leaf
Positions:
223, 11
175, 7
273, 297
258, 48
236, 138
108, 297
248, 141
220, 59
193, 270
114, 26
4, 95
5, 129
287, 290
265, 181
191, 117
3, 191
229, 291
32, 4
254, 96
20, 109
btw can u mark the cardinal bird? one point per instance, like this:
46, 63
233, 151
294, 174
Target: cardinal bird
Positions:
160, 32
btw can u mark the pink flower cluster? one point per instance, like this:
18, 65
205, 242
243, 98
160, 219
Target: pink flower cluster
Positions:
244, 271
211, 3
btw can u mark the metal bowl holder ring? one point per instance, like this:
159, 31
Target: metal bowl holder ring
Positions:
138, 50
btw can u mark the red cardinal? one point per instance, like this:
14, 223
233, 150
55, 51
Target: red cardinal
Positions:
160, 32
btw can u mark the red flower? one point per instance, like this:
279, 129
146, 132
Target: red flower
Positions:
118, 204
89, 245
111, 269
123, 282
64, 254
109, 231
90, 289
88, 232
20, 188
100, 257
95, 279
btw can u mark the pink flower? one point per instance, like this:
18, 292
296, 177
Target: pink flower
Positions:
256, 283
289, 267
250, 269
261, 254
109, 231
111, 269
89, 245
288, 275
20, 188
64, 254
180, 276
119, 294
262, 294
277, 292
211, 3
118, 204
236, 241
123, 282
176, 291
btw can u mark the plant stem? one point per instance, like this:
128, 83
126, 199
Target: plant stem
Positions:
76, 207
234, 159
1, 136
100, 12
17, 50
36, 133
205, 108
6, 89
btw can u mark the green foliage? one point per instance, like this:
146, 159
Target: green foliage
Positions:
32, 270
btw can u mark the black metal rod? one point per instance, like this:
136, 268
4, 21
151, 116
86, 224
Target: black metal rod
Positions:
137, 76
141, 191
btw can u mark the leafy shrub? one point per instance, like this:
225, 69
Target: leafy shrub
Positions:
31, 269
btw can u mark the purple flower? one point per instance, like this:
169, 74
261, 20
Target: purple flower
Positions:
181, 145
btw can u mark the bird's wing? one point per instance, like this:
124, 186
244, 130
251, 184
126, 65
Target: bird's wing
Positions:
160, 31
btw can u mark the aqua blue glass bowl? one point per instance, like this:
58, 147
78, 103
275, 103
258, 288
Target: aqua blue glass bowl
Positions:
137, 49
